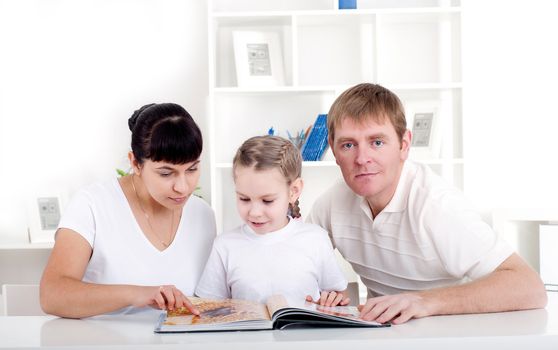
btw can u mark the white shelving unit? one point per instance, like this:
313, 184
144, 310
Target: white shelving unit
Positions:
23, 262
412, 47
520, 228
25, 246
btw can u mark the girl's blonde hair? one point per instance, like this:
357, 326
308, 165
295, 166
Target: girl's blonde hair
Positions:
270, 152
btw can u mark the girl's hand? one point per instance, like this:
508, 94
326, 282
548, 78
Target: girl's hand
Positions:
332, 298
166, 297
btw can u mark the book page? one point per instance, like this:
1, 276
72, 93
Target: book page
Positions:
279, 302
276, 302
343, 314
346, 312
218, 312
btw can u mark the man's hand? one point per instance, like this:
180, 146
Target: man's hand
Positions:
398, 308
331, 299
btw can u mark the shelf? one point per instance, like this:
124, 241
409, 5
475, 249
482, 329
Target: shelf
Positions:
274, 89
317, 13
333, 88
424, 86
454, 161
272, 6
334, 48
255, 19
268, 6
304, 164
520, 228
331, 163
26, 246
525, 214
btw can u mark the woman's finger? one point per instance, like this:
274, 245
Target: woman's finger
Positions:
168, 294
188, 304
159, 300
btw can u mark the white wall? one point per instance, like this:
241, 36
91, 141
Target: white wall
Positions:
71, 73
510, 72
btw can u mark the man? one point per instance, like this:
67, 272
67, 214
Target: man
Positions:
415, 242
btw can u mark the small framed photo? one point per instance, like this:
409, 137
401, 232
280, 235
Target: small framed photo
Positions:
423, 121
258, 59
44, 213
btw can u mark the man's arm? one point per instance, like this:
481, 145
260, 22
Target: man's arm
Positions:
513, 285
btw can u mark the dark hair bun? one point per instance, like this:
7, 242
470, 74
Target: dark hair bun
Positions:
134, 118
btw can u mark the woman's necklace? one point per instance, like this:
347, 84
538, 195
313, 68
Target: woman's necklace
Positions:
165, 244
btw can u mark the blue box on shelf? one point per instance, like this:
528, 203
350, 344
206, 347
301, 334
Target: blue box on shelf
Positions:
347, 4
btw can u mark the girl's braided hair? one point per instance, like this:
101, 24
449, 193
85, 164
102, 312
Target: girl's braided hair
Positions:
268, 152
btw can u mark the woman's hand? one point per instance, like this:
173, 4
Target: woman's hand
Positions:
332, 298
166, 297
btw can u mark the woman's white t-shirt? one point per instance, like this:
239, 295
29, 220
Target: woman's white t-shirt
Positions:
122, 254
295, 261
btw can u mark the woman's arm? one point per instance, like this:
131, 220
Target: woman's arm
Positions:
63, 293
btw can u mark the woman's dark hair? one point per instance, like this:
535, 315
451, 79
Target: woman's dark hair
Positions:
165, 132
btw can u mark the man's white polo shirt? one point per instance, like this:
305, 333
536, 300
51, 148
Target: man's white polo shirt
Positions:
428, 235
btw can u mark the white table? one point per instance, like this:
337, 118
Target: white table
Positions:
532, 329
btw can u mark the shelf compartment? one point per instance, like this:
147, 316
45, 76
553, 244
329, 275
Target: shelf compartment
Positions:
449, 119
224, 65
254, 113
418, 48
335, 50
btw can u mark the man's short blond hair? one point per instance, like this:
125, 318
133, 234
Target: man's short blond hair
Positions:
365, 102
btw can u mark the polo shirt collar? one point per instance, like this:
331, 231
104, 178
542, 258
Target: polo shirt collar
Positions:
400, 198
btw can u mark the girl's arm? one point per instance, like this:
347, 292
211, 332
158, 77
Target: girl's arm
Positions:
63, 293
213, 282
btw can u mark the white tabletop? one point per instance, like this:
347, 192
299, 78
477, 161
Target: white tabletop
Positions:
532, 329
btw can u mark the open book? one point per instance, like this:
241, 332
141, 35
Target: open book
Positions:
233, 314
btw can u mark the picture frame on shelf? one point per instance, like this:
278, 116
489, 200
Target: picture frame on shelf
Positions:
423, 120
258, 59
44, 212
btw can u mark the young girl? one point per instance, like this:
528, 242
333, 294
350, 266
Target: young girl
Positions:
271, 253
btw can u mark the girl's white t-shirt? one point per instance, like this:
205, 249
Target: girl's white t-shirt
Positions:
122, 254
295, 261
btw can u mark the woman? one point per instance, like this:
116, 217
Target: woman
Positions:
141, 240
